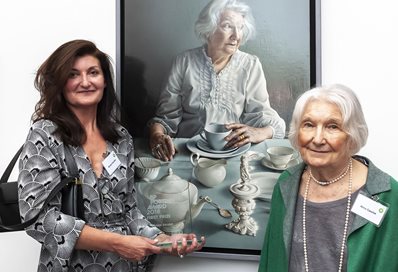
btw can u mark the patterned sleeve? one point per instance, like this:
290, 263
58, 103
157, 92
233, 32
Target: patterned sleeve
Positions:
258, 111
40, 166
136, 221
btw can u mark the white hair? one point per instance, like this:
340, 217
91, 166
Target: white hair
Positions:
210, 15
344, 98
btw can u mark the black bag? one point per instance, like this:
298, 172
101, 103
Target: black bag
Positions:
72, 196
9, 211
72, 192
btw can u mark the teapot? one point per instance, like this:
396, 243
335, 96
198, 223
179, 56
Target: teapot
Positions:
170, 202
208, 172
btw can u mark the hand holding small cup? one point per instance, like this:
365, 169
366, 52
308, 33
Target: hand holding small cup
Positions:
214, 134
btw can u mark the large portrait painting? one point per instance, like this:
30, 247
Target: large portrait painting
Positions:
153, 32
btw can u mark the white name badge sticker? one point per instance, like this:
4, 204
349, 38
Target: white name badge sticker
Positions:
111, 163
369, 209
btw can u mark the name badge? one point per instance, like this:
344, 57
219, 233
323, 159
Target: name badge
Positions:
111, 163
369, 209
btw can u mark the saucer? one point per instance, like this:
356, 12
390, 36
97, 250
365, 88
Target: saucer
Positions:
191, 145
267, 163
266, 182
202, 144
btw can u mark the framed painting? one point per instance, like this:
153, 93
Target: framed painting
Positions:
152, 33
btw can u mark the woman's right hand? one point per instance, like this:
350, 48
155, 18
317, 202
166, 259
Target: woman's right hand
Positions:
161, 144
135, 248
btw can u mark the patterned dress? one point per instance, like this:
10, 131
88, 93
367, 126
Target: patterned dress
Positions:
109, 202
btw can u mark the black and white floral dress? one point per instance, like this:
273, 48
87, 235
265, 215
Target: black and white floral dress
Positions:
114, 209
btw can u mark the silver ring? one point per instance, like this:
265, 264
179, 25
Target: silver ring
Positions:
154, 151
156, 147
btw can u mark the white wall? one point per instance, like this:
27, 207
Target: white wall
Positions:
359, 50
30, 32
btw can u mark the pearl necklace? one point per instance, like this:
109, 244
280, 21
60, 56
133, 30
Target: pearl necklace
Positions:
347, 217
324, 183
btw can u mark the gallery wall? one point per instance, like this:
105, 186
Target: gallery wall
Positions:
358, 49
29, 32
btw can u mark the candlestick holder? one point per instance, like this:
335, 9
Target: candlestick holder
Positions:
243, 202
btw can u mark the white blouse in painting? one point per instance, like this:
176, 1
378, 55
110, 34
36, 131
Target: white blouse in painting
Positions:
195, 95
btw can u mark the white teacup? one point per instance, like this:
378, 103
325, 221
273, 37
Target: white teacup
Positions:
215, 135
280, 156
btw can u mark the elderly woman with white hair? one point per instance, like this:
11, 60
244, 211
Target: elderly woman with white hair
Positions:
216, 83
336, 211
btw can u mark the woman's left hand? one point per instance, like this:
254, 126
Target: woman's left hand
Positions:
242, 134
162, 147
180, 247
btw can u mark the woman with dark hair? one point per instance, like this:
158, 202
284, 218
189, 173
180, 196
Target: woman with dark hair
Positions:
216, 83
50, 80
78, 109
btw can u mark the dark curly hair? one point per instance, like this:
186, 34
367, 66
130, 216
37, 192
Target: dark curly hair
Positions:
50, 81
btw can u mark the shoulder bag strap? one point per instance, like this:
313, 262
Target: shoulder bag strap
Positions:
64, 181
7, 172
71, 163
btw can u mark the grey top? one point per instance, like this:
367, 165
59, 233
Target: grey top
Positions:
42, 163
195, 95
324, 235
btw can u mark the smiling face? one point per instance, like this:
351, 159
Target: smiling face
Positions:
321, 138
85, 85
226, 39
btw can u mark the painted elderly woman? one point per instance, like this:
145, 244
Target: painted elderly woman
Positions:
330, 212
216, 83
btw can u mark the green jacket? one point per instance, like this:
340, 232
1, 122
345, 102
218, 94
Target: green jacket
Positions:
370, 248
